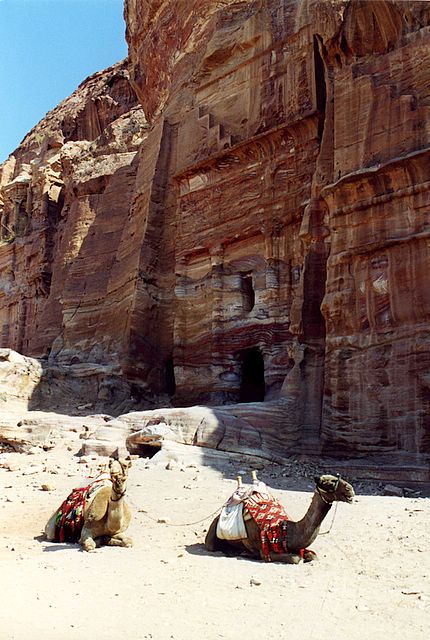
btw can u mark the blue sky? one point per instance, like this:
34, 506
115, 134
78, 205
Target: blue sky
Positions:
47, 47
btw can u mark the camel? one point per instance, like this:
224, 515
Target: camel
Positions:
283, 540
95, 515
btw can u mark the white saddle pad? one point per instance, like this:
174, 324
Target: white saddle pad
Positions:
230, 524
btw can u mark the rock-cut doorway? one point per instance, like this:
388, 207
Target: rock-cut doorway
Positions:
252, 384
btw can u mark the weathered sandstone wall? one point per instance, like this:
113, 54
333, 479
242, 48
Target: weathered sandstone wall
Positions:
65, 199
263, 233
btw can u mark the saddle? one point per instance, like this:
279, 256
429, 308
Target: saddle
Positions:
70, 516
234, 513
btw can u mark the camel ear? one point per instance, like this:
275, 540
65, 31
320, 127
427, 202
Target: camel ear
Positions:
317, 480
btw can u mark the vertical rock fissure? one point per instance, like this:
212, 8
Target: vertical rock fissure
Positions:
54, 208
151, 339
314, 329
316, 248
320, 86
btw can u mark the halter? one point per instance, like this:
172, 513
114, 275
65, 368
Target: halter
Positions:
322, 497
121, 495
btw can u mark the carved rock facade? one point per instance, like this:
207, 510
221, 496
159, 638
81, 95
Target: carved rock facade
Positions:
264, 237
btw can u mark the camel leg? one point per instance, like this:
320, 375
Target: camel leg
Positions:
309, 556
87, 541
286, 558
293, 558
117, 541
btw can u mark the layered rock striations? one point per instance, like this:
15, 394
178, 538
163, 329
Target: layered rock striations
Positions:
262, 234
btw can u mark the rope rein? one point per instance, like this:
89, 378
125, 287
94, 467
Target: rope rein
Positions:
185, 524
324, 533
188, 524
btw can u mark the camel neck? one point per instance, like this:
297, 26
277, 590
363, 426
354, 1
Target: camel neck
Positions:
303, 532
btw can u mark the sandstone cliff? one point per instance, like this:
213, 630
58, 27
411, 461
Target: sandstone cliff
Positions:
65, 197
262, 234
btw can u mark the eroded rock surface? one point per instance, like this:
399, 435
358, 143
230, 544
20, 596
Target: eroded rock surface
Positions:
20, 377
262, 233
65, 197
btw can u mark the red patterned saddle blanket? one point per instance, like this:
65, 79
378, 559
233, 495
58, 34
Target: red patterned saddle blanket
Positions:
70, 516
271, 519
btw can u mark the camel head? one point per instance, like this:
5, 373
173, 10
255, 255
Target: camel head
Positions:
334, 488
118, 470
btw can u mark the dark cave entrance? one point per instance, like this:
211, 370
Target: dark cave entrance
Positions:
145, 450
252, 385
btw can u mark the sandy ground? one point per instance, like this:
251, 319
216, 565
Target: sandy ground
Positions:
372, 579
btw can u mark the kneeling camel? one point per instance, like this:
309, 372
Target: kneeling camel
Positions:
271, 535
95, 515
